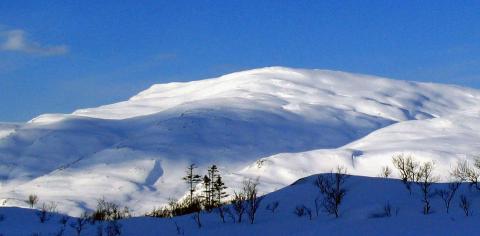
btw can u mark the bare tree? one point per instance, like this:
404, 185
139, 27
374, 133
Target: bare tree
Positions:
272, 207
332, 188
80, 223
179, 229
229, 213
221, 212
425, 180
386, 172
465, 205
448, 194
113, 228
46, 211
238, 203
408, 169
252, 200
32, 200
196, 207
63, 220
109, 211
465, 172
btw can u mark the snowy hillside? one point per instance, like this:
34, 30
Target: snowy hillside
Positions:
296, 122
6, 129
356, 215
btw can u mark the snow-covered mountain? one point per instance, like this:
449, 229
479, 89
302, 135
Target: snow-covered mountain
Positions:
278, 123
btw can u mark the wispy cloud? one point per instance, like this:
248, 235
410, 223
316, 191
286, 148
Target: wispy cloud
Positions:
18, 41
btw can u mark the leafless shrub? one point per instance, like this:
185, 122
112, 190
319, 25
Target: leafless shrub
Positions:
448, 194
63, 220
178, 228
332, 188
221, 212
386, 172
385, 212
100, 230
196, 206
302, 211
229, 213
299, 211
318, 205
60, 232
79, 224
176, 208
46, 211
308, 212
196, 218
425, 180
109, 211
113, 228
272, 207
238, 203
32, 200
253, 201
465, 205
465, 172
408, 169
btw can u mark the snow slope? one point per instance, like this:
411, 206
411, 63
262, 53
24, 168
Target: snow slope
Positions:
296, 122
443, 140
365, 197
6, 129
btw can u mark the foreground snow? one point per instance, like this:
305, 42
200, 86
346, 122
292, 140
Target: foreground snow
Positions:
278, 123
365, 197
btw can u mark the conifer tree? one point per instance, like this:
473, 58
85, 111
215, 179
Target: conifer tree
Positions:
192, 179
219, 190
207, 190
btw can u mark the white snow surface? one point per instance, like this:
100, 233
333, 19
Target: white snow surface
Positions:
365, 197
279, 124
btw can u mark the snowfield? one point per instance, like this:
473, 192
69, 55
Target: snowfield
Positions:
365, 197
279, 124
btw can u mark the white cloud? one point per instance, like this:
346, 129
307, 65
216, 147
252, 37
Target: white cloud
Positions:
17, 40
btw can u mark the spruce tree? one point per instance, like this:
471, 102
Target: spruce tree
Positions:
219, 190
192, 179
207, 185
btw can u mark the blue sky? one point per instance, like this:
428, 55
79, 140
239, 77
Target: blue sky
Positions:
58, 56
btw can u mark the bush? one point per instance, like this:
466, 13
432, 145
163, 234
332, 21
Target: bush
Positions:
425, 180
109, 211
32, 200
79, 224
113, 228
465, 205
386, 172
299, 211
272, 206
332, 189
253, 201
302, 211
408, 169
46, 211
238, 203
386, 211
176, 208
